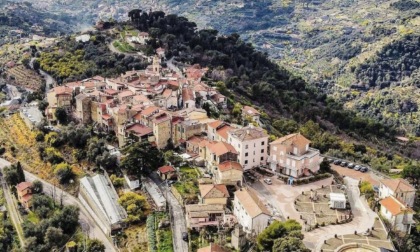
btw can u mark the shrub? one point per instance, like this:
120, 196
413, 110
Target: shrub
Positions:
63, 172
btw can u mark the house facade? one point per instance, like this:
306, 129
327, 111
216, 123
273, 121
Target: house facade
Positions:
291, 155
250, 212
399, 189
399, 216
83, 111
251, 144
202, 215
24, 193
229, 173
166, 172
212, 194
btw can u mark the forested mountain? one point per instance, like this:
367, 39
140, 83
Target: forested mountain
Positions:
22, 20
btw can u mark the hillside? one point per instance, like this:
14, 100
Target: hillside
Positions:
21, 20
328, 43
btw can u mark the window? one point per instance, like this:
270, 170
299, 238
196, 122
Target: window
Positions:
246, 154
262, 158
246, 161
262, 150
246, 147
262, 143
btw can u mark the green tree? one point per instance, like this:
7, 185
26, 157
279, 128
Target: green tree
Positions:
412, 172
141, 158
289, 244
325, 166
61, 115
37, 187
116, 181
63, 172
11, 175
67, 219
54, 238
95, 245
42, 205
134, 204
276, 230
20, 173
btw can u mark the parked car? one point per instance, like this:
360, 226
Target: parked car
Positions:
267, 181
337, 162
343, 164
185, 236
330, 160
364, 169
351, 165
357, 167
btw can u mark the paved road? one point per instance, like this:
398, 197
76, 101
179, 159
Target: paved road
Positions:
178, 221
85, 219
14, 215
364, 218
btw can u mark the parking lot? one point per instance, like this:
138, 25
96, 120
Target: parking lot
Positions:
364, 176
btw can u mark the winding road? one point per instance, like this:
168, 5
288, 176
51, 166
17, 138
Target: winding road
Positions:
85, 219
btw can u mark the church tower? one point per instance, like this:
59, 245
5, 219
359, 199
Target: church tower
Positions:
156, 64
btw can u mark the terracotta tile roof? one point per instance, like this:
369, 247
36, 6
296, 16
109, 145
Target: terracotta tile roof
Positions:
106, 117
124, 94
165, 169
23, 185
215, 124
73, 84
251, 203
213, 191
149, 110
250, 110
248, 133
89, 84
27, 197
220, 148
98, 78
62, 90
223, 131
111, 91
295, 139
187, 94
394, 206
228, 165
167, 93
139, 130
212, 248
161, 118
141, 98
398, 185
195, 140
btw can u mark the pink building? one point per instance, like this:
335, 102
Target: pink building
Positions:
291, 155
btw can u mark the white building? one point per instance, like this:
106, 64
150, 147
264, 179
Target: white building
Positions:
399, 188
337, 201
250, 212
251, 144
399, 215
